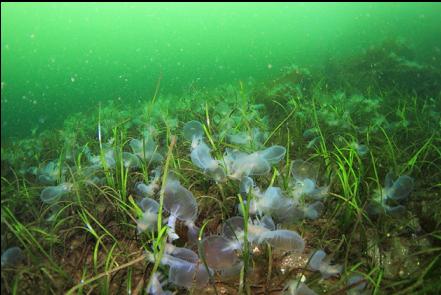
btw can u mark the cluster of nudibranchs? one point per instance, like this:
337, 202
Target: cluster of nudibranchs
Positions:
267, 210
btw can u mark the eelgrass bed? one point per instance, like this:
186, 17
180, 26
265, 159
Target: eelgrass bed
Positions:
308, 184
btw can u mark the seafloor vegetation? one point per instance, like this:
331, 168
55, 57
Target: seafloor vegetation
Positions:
320, 181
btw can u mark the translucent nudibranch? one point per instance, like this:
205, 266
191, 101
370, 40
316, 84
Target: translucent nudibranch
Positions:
186, 269
259, 232
149, 218
297, 287
193, 131
146, 148
201, 157
49, 174
200, 152
217, 252
253, 138
148, 190
12, 256
304, 175
130, 160
181, 205
275, 203
52, 194
387, 199
240, 164
317, 262
283, 239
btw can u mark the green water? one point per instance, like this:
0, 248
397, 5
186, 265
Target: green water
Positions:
59, 59
249, 148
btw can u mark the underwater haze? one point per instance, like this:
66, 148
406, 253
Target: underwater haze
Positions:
62, 58
221, 148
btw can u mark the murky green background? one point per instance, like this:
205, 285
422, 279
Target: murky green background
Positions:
58, 59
